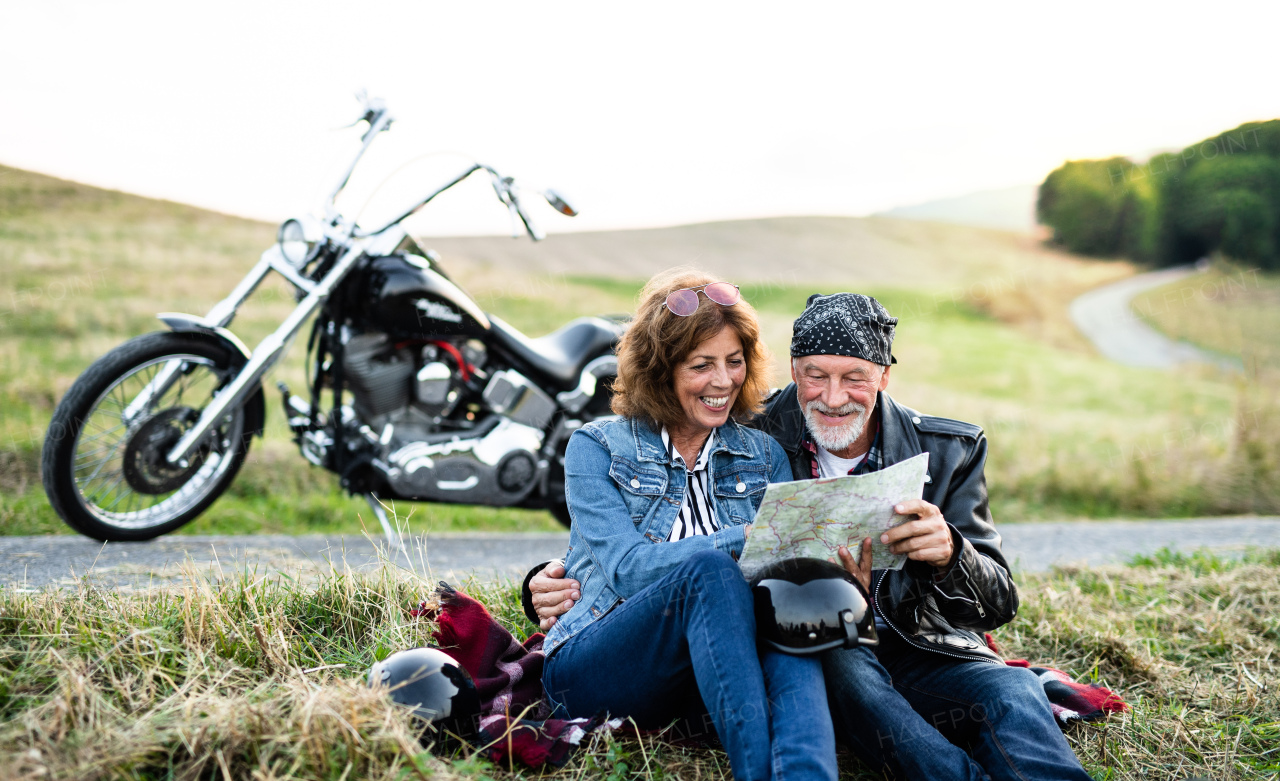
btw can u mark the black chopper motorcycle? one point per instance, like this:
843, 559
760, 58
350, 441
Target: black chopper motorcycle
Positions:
447, 402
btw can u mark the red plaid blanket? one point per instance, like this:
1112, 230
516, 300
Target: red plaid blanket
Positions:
508, 675
1070, 701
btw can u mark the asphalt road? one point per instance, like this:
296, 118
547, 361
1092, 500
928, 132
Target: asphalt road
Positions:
37, 562
1106, 318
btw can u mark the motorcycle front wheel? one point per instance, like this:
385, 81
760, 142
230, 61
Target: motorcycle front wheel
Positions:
104, 465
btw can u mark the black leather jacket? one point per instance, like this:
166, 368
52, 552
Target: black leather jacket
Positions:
949, 612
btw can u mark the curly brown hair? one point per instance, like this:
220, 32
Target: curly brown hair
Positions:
657, 341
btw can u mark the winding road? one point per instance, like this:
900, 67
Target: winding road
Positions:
1105, 316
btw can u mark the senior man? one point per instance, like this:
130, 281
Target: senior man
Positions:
932, 701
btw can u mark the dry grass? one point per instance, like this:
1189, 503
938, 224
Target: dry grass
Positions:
203, 683
262, 678
1190, 641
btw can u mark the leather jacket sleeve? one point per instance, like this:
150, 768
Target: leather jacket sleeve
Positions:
975, 591
526, 595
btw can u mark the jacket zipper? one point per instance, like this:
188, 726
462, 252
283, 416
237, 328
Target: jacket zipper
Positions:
875, 596
968, 582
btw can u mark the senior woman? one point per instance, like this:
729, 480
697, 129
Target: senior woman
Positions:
662, 499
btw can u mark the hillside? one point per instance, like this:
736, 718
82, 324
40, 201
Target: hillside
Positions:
1008, 208
879, 251
983, 337
1011, 276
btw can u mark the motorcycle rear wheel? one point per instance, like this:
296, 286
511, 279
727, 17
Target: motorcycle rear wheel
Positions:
599, 406
103, 461
560, 511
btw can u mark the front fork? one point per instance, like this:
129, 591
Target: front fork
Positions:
159, 385
274, 345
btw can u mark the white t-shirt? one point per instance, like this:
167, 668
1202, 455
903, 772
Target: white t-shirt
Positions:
830, 465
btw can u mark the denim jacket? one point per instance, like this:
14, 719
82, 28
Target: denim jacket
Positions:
624, 495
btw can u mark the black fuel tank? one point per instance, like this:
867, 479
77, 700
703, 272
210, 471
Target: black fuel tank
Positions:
406, 298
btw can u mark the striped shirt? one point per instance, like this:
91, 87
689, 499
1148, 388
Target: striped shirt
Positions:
697, 512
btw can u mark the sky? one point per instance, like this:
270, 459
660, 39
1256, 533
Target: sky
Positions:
644, 114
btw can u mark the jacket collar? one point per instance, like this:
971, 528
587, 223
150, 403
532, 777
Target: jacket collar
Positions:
783, 419
898, 434
729, 438
900, 440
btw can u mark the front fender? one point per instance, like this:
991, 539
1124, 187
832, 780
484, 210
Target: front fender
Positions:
255, 409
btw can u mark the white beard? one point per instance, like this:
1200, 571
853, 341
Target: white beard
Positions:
835, 438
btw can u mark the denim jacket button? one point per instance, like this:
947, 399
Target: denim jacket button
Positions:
635, 482
740, 487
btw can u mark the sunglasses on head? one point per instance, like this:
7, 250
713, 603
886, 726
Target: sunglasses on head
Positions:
684, 302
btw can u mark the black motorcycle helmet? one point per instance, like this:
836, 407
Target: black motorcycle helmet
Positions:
435, 686
806, 606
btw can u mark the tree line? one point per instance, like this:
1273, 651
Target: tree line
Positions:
1220, 195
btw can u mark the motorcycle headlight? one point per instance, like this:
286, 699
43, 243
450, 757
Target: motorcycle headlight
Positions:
294, 242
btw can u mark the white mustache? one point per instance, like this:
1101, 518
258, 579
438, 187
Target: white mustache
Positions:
840, 436
850, 408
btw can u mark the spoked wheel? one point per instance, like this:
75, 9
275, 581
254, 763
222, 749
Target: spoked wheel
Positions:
104, 461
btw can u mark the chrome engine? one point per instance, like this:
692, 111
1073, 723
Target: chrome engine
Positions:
404, 405
499, 467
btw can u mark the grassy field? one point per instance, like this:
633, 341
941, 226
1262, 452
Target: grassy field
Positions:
259, 678
254, 677
983, 337
1233, 310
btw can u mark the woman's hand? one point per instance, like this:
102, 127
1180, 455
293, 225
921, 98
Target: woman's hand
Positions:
860, 569
553, 595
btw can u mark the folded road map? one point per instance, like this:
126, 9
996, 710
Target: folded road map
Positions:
813, 518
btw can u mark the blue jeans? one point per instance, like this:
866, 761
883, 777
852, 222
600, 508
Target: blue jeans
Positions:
686, 644
919, 715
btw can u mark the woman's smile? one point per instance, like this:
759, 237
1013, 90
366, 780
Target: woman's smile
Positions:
707, 382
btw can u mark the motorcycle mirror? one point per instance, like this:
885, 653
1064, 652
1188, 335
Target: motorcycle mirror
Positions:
292, 238
559, 203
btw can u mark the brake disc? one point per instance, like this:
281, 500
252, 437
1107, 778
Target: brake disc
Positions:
146, 469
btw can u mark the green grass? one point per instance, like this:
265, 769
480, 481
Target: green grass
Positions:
263, 677
1071, 435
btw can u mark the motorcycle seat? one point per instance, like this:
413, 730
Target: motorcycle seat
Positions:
561, 355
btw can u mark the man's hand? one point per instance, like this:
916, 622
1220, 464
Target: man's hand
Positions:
552, 594
860, 569
927, 538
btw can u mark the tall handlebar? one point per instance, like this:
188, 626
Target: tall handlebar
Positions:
530, 226
380, 119
504, 187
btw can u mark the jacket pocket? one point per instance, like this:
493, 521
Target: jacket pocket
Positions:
740, 493
639, 488
580, 570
